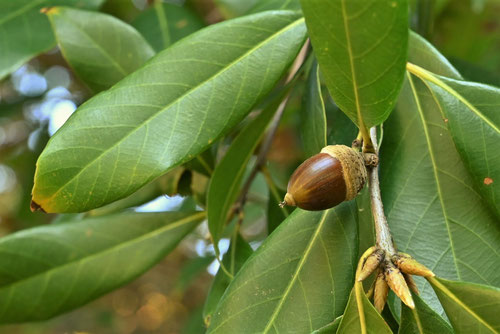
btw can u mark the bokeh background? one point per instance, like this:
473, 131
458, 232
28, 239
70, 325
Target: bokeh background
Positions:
39, 97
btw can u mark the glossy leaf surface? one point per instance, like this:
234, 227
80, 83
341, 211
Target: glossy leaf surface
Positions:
330, 328
48, 270
101, 49
239, 251
263, 5
305, 267
225, 183
473, 117
434, 211
471, 308
164, 24
361, 315
422, 319
361, 48
313, 116
166, 112
26, 32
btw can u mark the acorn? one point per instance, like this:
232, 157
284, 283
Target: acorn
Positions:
326, 179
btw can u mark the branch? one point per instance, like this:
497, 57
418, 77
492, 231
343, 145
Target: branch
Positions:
266, 143
382, 232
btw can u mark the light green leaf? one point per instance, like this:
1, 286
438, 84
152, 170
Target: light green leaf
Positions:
225, 183
472, 114
298, 280
233, 260
166, 112
471, 308
312, 115
26, 32
164, 24
422, 320
434, 212
49, 270
360, 316
361, 48
101, 49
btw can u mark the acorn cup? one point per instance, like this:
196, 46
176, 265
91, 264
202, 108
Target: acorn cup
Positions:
333, 176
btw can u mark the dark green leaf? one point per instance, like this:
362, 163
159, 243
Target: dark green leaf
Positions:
434, 212
471, 308
471, 111
237, 254
275, 214
422, 320
26, 32
166, 112
313, 116
298, 280
191, 269
164, 24
101, 49
48, 270
474, 72
359, 316
225, 183
233, 8
361, 48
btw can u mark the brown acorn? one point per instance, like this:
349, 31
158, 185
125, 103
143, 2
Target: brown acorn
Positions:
326, 179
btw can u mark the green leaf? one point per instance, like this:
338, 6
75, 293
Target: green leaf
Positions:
233, 260
471, 308
330, 328
49, 270
422, 319
166, 112
275, 214
164, 24
471, 112
225, 183
313, 115
360, 316
100, 48
361, 48
299, 278
26, 32
434, 212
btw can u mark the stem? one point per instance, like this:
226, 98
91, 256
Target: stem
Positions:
382, 232
266, 143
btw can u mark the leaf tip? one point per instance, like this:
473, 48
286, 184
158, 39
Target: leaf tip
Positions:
34, 206
50, 10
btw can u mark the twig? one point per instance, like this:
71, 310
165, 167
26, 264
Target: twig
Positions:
382, 232
266, 143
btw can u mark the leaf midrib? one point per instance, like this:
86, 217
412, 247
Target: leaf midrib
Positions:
296, 273
434, 169
118, 246
20, 11
149, 119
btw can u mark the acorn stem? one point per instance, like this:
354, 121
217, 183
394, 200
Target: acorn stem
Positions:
382, 232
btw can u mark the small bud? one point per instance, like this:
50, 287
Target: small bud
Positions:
397, 283
372, 262
409, 265
411, 283
381, 291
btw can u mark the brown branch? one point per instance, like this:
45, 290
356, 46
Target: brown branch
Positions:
382, 232
266, 143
